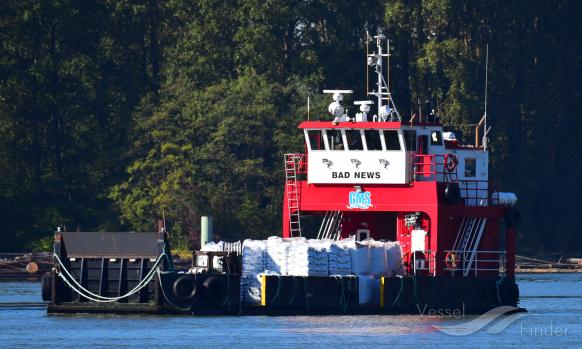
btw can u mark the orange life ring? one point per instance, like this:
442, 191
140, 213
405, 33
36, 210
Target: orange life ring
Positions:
451, 162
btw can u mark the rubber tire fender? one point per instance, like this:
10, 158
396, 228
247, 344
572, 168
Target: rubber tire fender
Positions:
184, 288
452, 193
214, 290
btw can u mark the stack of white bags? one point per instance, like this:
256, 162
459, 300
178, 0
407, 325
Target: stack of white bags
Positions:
213, 246
276, 261
340, 262
308, 258
300, 257
253, 264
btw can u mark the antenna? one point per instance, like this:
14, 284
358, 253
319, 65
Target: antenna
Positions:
307, 108
368, 39
388, 66
387, 112
486, 130
164, 219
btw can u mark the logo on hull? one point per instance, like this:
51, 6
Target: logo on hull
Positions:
360, 199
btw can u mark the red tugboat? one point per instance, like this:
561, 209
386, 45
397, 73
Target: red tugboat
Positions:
377, 176
409, 224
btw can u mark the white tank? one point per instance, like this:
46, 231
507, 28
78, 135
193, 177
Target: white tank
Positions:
504, 198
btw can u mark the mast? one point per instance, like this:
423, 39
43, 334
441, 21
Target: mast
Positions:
486, 130
379, 92
386, 111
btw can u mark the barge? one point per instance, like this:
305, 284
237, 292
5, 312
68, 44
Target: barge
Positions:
409, 222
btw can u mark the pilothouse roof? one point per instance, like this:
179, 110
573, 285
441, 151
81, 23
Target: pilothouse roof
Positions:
361, 125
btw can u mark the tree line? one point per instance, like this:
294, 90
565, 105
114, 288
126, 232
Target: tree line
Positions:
116, 113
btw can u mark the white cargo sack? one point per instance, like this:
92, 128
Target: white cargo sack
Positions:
340, 262
308, 258
360, 257
213, 247
318, 255
276, 256
394, 258
253, 264
377, 257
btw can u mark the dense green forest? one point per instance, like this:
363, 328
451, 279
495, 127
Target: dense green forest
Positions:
116, 112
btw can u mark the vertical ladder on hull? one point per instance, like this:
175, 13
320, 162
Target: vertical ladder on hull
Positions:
468, 240
292, 194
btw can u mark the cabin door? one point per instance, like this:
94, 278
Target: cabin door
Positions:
423, 157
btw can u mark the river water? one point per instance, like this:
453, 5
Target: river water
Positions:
554, 319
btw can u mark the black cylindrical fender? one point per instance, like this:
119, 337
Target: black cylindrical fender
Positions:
47, 286
452, 193
513, 217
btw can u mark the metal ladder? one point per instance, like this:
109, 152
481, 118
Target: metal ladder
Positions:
330, 226
292, 194
468, 240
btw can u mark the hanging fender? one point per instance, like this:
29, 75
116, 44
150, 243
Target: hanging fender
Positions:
452, 193
184, 288
214, 289
513, 217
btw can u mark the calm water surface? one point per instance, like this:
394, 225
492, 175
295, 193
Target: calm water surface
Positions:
554, 320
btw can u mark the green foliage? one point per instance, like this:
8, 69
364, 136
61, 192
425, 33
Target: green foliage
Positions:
115, 113
211, 151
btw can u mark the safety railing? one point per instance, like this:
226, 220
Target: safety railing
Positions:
475, 192
296, 160
458, 261
235, 247
423, 262
433, 167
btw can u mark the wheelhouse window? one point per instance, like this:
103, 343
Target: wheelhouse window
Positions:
410, 140
436, 138
334, 140
354, 138
373, 141
391, 138
470, 167
315, 140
